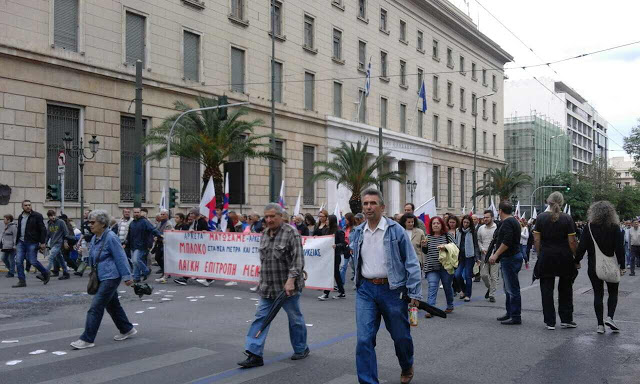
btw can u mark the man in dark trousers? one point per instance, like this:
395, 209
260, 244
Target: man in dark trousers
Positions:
32, 235
508, 253
138, 239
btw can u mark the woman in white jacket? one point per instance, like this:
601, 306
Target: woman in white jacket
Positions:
524, 239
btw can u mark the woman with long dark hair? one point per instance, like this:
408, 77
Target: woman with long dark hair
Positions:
467, 242
603, 228
555, 240
339, 248
433, 269
310, 222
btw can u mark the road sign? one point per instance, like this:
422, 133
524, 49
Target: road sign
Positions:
60, 169
62, 159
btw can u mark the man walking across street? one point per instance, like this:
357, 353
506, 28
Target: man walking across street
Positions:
488, 271
138, 238
510, 257
282, 265
387, 271
32, 235
634, 245
57, 234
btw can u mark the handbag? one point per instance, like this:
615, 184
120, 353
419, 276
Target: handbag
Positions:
607, 268
94, 282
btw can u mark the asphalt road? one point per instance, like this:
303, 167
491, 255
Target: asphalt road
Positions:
185, 341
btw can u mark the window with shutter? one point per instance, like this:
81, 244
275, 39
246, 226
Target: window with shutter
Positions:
337, 99
190, 181
403, 118
59, 121
235, 170
435, 184
383, 112
277, 173
337, 44
132, 167
191, 56
420, 122
278, 82
362, 117
65, 24
307, 165
135, 38
309, 85
463, 182
237, 70
449, 187
362, 54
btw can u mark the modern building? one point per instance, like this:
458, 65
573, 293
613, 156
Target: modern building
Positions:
557, 102
537, 147
69, 66
623, 168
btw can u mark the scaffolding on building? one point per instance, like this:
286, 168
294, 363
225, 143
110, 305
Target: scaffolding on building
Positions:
539, 147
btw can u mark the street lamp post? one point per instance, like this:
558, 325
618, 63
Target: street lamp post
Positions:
77, 152
411, 186
475, 144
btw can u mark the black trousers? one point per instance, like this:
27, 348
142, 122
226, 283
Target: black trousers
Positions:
565, 299
336, 274
598, 297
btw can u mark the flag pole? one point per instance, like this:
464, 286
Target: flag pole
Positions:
415, 113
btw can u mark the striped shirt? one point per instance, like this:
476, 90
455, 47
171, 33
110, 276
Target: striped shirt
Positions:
431, 262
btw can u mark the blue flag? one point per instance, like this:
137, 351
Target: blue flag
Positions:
423, 95
367, 83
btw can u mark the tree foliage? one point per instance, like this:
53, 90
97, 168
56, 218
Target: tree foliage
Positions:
350, 167
503, 182
203, 136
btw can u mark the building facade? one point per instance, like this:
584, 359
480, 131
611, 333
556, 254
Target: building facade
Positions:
537, 147
623, 168
557, 102
69, 66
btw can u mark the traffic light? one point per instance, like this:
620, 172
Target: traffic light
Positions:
173, 196
53, 192
222, 112
568, 189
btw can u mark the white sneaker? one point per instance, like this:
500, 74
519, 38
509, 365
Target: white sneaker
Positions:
203, 282
611, 324
551, 327
125, 336
161, 280
600, 329
231, 283
253, 289
323, 297
81, 344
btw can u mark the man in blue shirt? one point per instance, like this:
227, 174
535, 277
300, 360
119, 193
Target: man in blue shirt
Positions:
138, 239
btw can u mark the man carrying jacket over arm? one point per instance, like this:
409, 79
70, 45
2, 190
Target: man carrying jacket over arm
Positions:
387, 269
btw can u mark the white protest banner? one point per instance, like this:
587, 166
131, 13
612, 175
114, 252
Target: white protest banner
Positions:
235, 257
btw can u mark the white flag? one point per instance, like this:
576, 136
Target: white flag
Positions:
569, 211
518, 209
208, 205
163, 200
464, 210
493, 209
534, 214
565, 208
296, 210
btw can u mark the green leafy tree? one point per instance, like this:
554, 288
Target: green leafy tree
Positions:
203, 136
579, 196
350, 168
628, 205
503, 182
632, 143
603, 179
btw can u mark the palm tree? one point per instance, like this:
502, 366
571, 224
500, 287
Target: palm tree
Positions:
503, 182
203, 136
349, 167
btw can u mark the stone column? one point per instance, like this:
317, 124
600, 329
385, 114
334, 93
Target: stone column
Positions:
424, 176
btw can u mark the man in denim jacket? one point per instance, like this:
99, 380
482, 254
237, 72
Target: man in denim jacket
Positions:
387, 270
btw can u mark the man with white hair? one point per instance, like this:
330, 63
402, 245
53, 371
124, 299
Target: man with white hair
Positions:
123, 230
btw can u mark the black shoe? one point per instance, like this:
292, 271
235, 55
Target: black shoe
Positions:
180, 280
144, 278
486, 295
476, 280
21, 283
160, 272
79, 274
55, 274
46, 279
492, 299
632, 274
511, 322
251, 361
300, 356
9, 275
65, 276
503, 318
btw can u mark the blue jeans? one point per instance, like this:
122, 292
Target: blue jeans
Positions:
343, 269
105, 298
523, 251
297, 327
627, 254
372, 303
140, 264
9, 259
28, 251
510, 267
464, 273
433, 279
56, 259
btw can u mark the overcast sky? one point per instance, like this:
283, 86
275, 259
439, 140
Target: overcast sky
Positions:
556, 29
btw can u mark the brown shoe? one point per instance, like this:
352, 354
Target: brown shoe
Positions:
448, 310
428, 315
406, 376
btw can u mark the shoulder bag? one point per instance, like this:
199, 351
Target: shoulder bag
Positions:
94, 282
607, 268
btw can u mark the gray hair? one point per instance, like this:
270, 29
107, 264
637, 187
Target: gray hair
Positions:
164, 211
101, 216
195, 211
602, 213
555, 201
274, 207
372, 192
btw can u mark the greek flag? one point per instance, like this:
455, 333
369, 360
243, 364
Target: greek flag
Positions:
367, 83
423, 95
